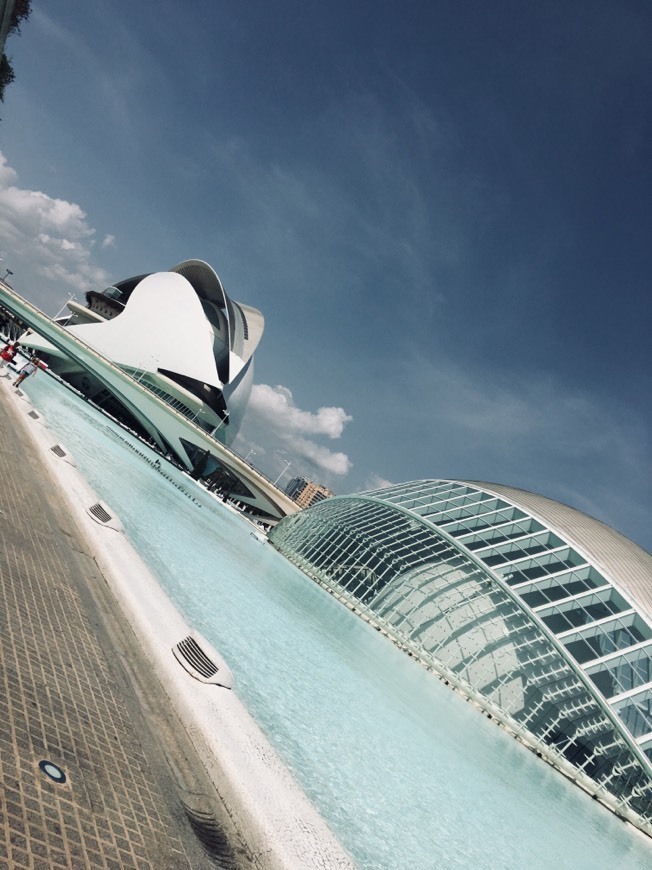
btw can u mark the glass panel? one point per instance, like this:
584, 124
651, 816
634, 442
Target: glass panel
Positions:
580, 611
555, 593
601, 640
636, 713
559, 586
622, 673
484, 521
548, 563
501, 534
454, 512
488, 520
521, 549
425, 495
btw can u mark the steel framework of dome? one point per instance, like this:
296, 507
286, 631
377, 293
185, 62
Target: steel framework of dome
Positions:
539, 613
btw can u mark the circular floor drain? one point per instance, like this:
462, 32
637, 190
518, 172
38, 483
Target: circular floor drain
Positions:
52, 771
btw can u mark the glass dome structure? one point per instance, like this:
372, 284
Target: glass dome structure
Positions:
538, 613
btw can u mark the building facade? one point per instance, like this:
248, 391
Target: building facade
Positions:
178, 333
170, 356
535, 611
306, 492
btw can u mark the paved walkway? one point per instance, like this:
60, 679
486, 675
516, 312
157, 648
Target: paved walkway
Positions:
75, 691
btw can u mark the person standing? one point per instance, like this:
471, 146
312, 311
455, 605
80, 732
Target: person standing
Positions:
28, 369
8, 353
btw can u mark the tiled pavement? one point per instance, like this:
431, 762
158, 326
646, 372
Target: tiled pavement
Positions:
74, 691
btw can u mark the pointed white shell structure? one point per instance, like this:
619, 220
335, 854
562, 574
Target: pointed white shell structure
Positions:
179, 334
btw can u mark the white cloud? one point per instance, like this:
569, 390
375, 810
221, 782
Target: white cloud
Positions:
276, 405
320, 457
273, 418
47, 242
108, 241
375, 481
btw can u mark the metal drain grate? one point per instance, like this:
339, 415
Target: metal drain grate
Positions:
99, 513
58, 451
194, 660
210, 833
197, 658
34, 415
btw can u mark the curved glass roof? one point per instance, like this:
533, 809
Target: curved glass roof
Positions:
530, 607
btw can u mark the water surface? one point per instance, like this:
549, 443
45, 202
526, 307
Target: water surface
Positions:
406, 773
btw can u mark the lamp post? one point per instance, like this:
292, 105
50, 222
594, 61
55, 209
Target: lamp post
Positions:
251, 453
221, 423
288, 463
71, 296
8, 272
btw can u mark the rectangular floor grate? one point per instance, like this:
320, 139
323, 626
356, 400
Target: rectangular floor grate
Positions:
195, 656
100, 513
194, 660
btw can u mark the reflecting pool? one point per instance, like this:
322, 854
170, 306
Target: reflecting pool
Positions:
406, 773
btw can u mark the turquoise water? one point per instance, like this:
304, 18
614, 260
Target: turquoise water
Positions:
406, 774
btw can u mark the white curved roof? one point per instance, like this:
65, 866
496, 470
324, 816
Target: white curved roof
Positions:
245, 323
162, 327
203, 278
626, 564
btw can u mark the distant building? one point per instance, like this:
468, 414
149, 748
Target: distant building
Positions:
305, 492
535, 611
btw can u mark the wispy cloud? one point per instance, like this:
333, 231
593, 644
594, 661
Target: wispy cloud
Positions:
112, 88
354, 218
375, 481
535, 431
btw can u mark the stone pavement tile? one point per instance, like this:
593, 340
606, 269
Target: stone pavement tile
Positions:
64, 700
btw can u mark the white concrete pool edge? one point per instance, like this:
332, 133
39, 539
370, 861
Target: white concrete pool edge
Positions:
276, 819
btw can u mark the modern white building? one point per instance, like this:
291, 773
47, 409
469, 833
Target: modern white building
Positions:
178, 334
170, 355
537, 612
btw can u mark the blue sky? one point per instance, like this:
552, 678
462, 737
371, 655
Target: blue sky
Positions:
442, 208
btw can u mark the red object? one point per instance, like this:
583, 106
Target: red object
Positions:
8, 352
